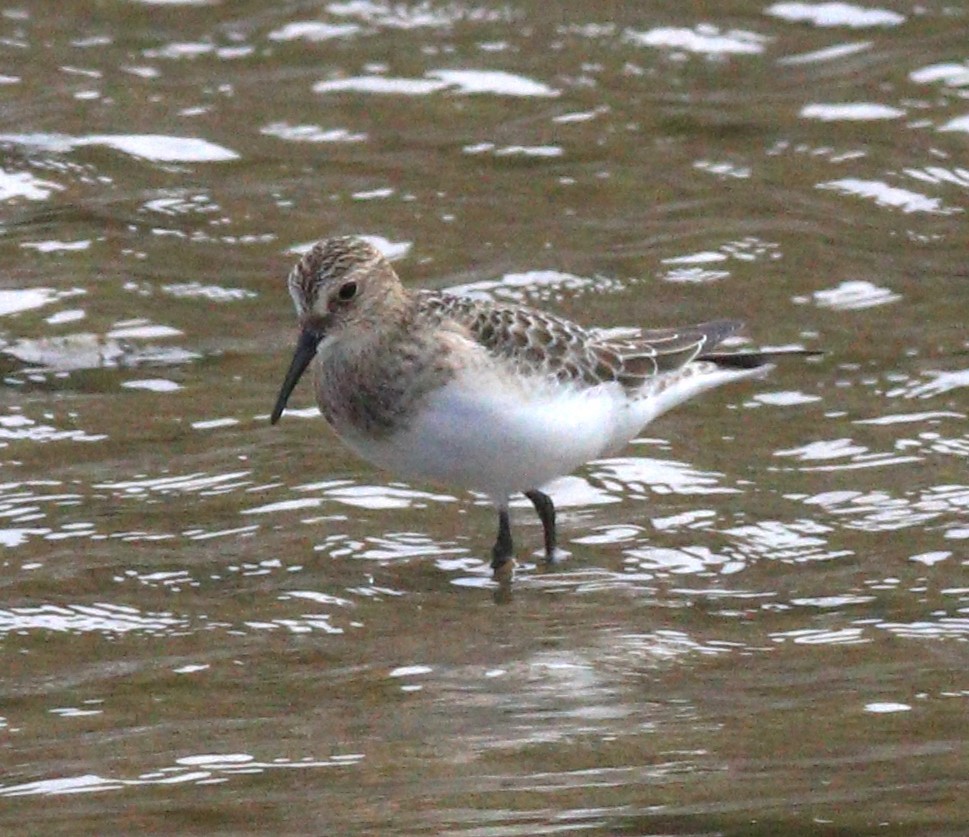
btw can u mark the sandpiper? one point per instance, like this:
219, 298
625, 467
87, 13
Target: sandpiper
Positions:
485, 396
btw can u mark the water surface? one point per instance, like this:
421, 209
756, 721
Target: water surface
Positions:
209, 625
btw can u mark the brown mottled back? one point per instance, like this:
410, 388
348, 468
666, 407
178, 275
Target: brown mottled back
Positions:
542, 344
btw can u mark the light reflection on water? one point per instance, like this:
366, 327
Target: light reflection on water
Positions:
155, 147
880, 511
84, 350
18, 428
102, 618
203, 769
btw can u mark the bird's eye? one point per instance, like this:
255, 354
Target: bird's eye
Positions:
347, 291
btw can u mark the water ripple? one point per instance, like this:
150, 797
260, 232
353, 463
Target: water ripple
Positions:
157, 148
881, 511
835, 14
104, 618
203, 769
704, 39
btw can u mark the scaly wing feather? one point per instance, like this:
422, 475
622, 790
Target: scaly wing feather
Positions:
543, 344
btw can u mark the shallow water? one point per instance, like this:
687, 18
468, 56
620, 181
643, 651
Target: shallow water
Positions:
209, 625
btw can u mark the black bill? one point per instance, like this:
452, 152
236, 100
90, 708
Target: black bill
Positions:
302, 357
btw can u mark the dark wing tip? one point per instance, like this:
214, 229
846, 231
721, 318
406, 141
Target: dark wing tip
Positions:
751, 360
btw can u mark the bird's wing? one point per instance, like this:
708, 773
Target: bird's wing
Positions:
661, 350
542, 344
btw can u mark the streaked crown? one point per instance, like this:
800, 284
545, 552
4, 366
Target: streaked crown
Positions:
327, 262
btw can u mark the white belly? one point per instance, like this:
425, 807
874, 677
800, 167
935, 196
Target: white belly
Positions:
500, 440
486, 432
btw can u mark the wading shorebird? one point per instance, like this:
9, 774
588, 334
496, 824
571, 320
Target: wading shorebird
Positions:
486, 396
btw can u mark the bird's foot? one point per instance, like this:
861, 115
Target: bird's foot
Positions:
553, 559
501, 560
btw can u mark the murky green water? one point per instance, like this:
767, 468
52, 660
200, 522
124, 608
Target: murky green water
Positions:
209, 625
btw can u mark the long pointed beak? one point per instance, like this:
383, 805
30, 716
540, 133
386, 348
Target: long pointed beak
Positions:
309, 339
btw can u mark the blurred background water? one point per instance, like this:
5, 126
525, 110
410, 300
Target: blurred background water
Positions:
208, 625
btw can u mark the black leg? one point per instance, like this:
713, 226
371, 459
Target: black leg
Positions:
546, 512
503, 549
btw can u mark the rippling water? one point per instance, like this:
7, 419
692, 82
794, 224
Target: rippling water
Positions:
213, 626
